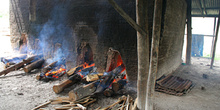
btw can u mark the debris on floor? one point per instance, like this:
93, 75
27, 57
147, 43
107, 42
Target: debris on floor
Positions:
64, 103
173, 85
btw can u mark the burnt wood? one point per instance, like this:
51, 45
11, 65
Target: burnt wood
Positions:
18, 65
60, 87
33, 65
49, 67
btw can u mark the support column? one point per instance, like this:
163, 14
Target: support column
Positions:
215, 43
32, 8
213, 37
154, 54
189, 33
143, 53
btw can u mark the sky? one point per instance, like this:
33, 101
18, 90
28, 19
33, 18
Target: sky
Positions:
4, 5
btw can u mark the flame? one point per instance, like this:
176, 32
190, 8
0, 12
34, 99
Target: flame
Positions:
119, 62
80, 74
57, 73
86, 65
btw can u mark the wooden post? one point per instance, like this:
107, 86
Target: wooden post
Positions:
32, 10
213, 37
154, 53
189, 33
215, 43
143, 53
127, 18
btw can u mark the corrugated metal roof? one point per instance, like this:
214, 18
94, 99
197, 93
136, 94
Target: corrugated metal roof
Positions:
205, 8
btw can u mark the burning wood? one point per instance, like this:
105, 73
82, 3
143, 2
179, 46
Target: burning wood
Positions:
20, 64
80, 68
55, 73
102, 85
51, 71
49, 67
77, 76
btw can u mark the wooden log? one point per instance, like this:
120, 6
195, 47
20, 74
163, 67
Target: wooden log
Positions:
42, 105
81, 106
60, 87
92, 77
143, 52
116, 86
108, 92
81, 93
134, 107
8, 61
215, 43
62, 108
33, 65
18, 65
74, 70
90, 102
49, 67
154, 53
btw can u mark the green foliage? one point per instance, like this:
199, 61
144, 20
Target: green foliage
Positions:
217, 56
4, 14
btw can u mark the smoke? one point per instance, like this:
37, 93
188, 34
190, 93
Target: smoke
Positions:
55, 31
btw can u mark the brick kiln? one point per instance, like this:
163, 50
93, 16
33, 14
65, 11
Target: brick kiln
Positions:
58, 29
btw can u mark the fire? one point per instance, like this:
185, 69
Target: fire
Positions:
118, 63
56, 73
123, 72
86, 65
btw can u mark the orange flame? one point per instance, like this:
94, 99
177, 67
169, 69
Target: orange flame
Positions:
86, 65
55, 74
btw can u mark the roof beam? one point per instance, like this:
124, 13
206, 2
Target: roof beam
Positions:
208, 8
203, 2
205, 15
200, 6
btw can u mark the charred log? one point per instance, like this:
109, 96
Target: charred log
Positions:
33, 65
18, 65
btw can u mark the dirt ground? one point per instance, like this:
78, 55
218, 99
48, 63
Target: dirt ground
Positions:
22, 91
196, 99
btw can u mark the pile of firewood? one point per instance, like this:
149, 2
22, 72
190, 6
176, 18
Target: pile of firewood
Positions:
123, 103
28, 64
65, 103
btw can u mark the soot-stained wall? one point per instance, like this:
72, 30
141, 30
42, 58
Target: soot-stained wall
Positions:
171, 41
61, 25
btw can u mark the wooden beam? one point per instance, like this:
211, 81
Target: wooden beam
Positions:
32, 10
213, 38
154, 53
215, 43
143, 53
189, 33
127, 18
200, 6
203, 2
